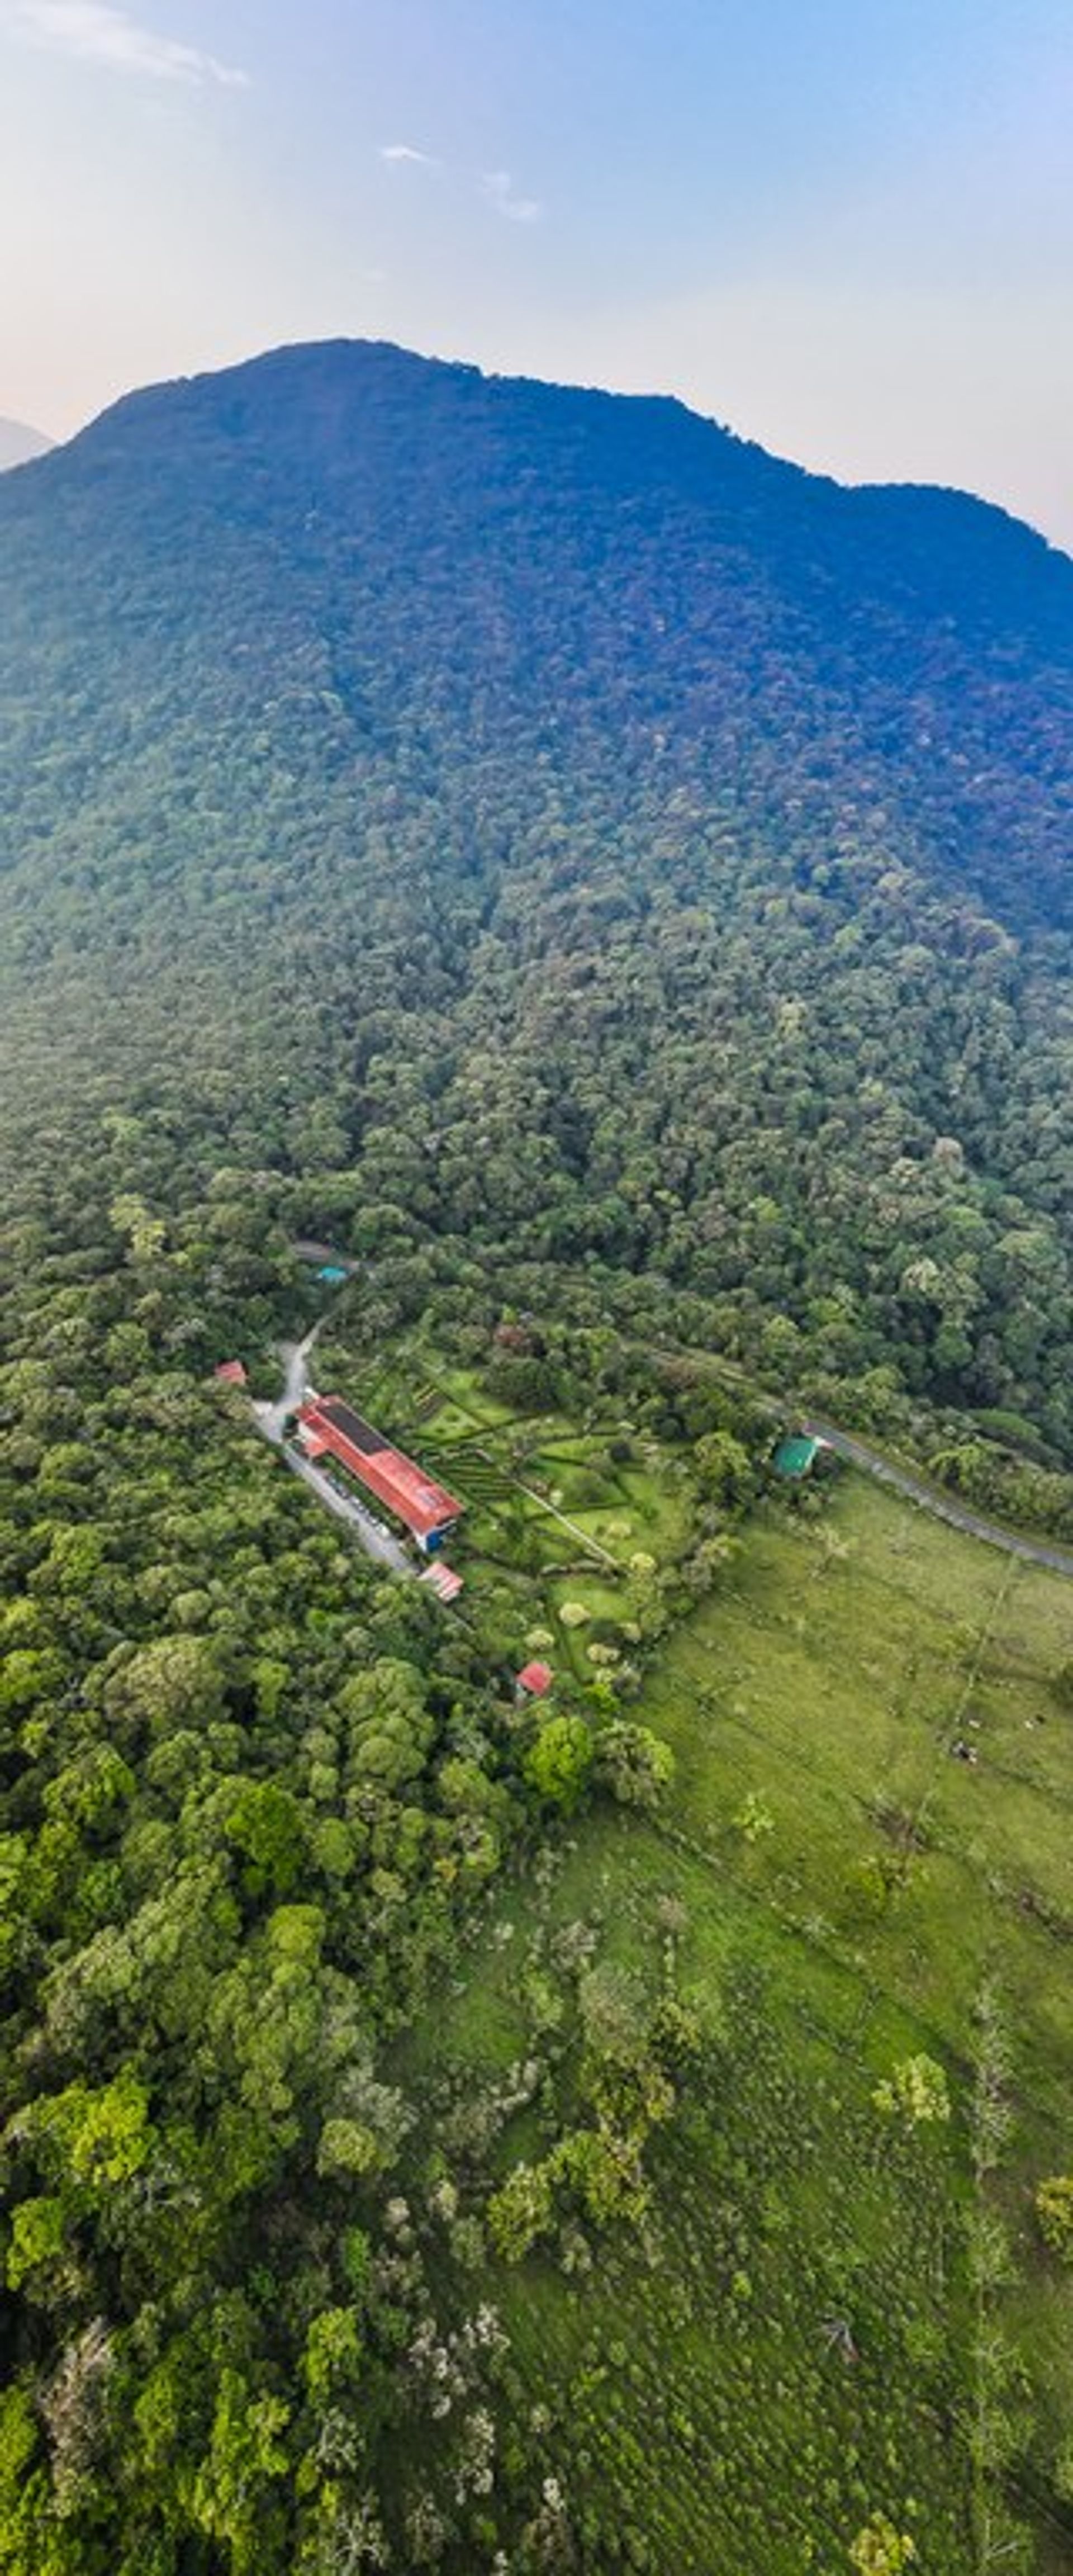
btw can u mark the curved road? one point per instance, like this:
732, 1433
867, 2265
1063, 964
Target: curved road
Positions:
887, 1471
943, 1507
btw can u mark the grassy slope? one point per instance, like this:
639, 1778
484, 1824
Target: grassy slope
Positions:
690, 2379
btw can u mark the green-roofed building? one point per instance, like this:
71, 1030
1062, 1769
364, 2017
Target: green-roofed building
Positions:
795, 1455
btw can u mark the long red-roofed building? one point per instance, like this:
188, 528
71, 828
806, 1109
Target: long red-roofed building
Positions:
328, 1427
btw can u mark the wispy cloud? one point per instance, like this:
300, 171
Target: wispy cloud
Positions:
498, 187
495, 186
397, 152
93, 32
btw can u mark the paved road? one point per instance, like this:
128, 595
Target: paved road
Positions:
874, 1462
943, 1507
271, 1418
271, 1421
370, 1533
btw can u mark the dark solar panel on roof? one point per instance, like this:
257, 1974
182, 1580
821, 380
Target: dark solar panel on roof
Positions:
352, 1426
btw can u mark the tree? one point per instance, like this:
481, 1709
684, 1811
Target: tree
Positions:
347, 2148
265, 1824
724, 1467
332, 2358
89, 2139
520, 2211
73, 2408
557, 1765
169, 1683
24, 2493
603, 2175
231, 2499
634, 1764
754, 1818
37, 2241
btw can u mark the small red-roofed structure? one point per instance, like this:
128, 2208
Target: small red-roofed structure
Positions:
444, 1580
230, 1373
535, 1680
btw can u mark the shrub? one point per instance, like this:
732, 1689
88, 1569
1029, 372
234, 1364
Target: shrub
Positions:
915, 2092
1054, 2210
881, 2550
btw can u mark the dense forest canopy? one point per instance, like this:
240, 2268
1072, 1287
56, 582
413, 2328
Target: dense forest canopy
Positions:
616, 887
413, 759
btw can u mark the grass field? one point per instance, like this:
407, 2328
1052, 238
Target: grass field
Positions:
831, 1889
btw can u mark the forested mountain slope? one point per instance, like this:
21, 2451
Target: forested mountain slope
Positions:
614, 888
499, 765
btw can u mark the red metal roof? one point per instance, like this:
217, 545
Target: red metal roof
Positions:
536, 1678
230, 1373
414, 1497
443, 1579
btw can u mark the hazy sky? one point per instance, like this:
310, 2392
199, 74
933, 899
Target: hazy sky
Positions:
843, 226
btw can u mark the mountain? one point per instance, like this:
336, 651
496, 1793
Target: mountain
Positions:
609, 890
19, 444
467, 759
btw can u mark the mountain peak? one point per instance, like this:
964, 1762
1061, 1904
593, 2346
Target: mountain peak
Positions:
603, 569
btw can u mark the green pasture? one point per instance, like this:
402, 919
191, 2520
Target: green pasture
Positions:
830, 1682
838, 1887
695, 2405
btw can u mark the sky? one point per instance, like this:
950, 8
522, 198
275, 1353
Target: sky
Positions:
842, 227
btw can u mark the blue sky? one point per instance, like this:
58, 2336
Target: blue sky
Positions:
845, 229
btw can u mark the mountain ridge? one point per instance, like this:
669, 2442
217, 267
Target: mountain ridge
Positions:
627, 507
627, 439
138, 399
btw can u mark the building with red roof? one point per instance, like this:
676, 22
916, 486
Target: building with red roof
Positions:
443, 1579
535, 1680
230, 1373
329, 1428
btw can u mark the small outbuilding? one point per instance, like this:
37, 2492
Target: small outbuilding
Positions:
534, 1681
796, 1455
331, 1265
230, 1373
443, 1580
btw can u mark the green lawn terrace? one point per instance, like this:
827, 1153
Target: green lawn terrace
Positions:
832, 1892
